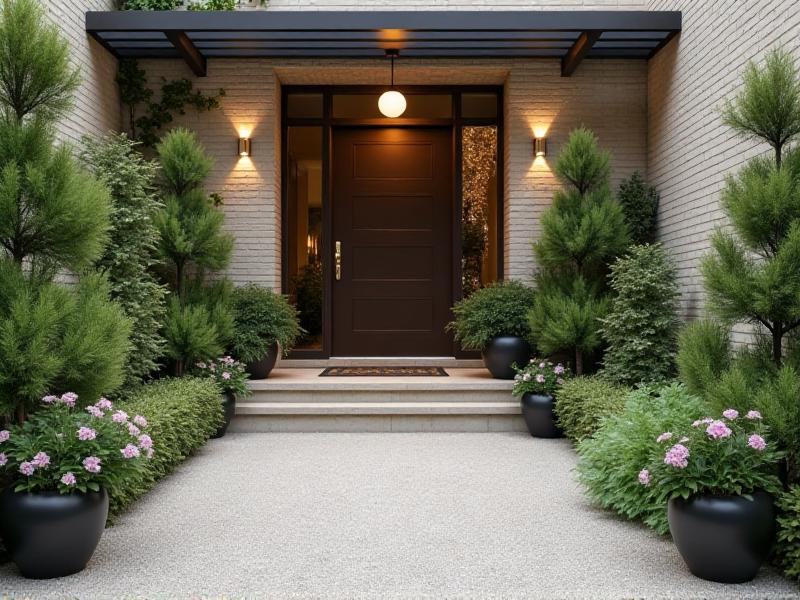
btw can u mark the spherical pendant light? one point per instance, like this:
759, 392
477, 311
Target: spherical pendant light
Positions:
392, 104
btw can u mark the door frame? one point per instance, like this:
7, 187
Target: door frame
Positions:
327, 123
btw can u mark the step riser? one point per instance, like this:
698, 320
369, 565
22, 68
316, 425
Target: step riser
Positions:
376, 424
358, 396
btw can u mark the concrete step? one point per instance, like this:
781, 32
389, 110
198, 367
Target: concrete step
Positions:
377, 408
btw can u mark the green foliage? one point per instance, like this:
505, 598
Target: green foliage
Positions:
788, 547
309, 290
703, 354
777, 400
496, 310
639, 203
582, 232
36, 77
191, 333
175, 96
539, 376
130, 256
228, 374
583, 402
261, 318
612, 458
182, 414
213, 5
641, 326
150, 4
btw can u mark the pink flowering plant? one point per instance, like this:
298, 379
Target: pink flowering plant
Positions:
64, 448
726, 456
229, 374
539, 376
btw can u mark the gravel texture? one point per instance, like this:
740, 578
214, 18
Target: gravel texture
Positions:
381, 516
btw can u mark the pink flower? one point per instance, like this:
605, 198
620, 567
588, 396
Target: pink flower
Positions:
69, 398
92, 464
49, 399
201, 365
644, 477
27, 469
120, 417
3, 459
68, 478
540, 378
683, 440
756, 442
703, 421
140, 421
560, 381
542, 365
526, 377
133, 429
753, 415
130, 451
667, 435
212, 367
718, 430
730, 414
150, 452
559, 370
94, 411
677, 456
4, 435
145, 441
226, 375
86, 433
41, 460
104, 404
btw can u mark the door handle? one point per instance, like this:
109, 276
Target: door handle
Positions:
338, 260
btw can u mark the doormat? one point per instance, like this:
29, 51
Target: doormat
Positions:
384, 372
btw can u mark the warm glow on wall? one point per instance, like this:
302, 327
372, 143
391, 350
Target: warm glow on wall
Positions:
245, 143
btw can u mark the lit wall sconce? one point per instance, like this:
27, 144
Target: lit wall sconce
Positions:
540, 146
244, 146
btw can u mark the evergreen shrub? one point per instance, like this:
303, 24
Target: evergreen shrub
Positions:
583, 402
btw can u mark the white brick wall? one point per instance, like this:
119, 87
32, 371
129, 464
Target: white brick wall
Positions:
689, 150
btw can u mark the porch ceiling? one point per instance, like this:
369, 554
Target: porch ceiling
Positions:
568, 36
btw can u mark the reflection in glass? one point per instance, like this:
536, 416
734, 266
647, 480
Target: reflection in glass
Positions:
419, 106
479, 207
304, 219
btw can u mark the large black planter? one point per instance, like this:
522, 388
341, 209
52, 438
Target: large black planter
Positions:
538, 412
229, 410
503, 352
723, 538
49, 534
261, 369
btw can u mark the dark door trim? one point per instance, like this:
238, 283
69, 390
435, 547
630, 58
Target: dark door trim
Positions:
326, 122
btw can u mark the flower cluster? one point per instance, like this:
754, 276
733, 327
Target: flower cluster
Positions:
228, 373
726, 455
65, 449
539, 376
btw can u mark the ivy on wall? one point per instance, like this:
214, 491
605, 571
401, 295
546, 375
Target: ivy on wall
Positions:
173, 4
176, 96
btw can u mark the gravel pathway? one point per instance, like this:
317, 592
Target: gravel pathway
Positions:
381, 516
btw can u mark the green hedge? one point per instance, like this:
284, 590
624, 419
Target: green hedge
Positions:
583, 402
182, 415
788, 551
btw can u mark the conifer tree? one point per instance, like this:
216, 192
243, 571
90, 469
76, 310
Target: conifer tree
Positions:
199, 320
753, 273
582, 232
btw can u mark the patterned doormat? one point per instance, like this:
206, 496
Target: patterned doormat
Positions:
384, 372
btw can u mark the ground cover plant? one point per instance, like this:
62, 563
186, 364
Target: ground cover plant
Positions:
583, 402
261, 318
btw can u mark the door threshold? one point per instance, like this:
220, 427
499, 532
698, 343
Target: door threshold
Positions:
383, 361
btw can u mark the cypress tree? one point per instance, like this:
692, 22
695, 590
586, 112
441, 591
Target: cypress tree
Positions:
582, 232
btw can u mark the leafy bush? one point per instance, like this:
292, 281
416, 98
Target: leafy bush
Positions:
261, 318
130, 255
539, 376
496, 310
610, 461
150, 4
788, 547
182, 414
583, 402
641, 325
639, 203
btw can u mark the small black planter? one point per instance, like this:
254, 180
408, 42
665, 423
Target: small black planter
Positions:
537, 410
229, 410
723, 538
261, 369
49, 534
503, 352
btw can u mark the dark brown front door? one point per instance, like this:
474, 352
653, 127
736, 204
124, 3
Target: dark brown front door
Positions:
392, 207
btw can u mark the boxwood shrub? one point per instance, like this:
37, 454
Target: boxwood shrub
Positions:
182, 414
583, 402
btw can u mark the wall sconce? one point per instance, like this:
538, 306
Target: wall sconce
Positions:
540, 146
244, 146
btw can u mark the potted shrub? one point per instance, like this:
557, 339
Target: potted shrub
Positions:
231, 378
62, 463
493, 320
719, 477
536, 386
264, 324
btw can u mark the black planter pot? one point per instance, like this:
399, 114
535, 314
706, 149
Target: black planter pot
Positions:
538, 412
229, 410
261, 369
503, 352
723, 538
49, 534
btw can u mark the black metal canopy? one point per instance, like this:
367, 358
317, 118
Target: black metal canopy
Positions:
569, 36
